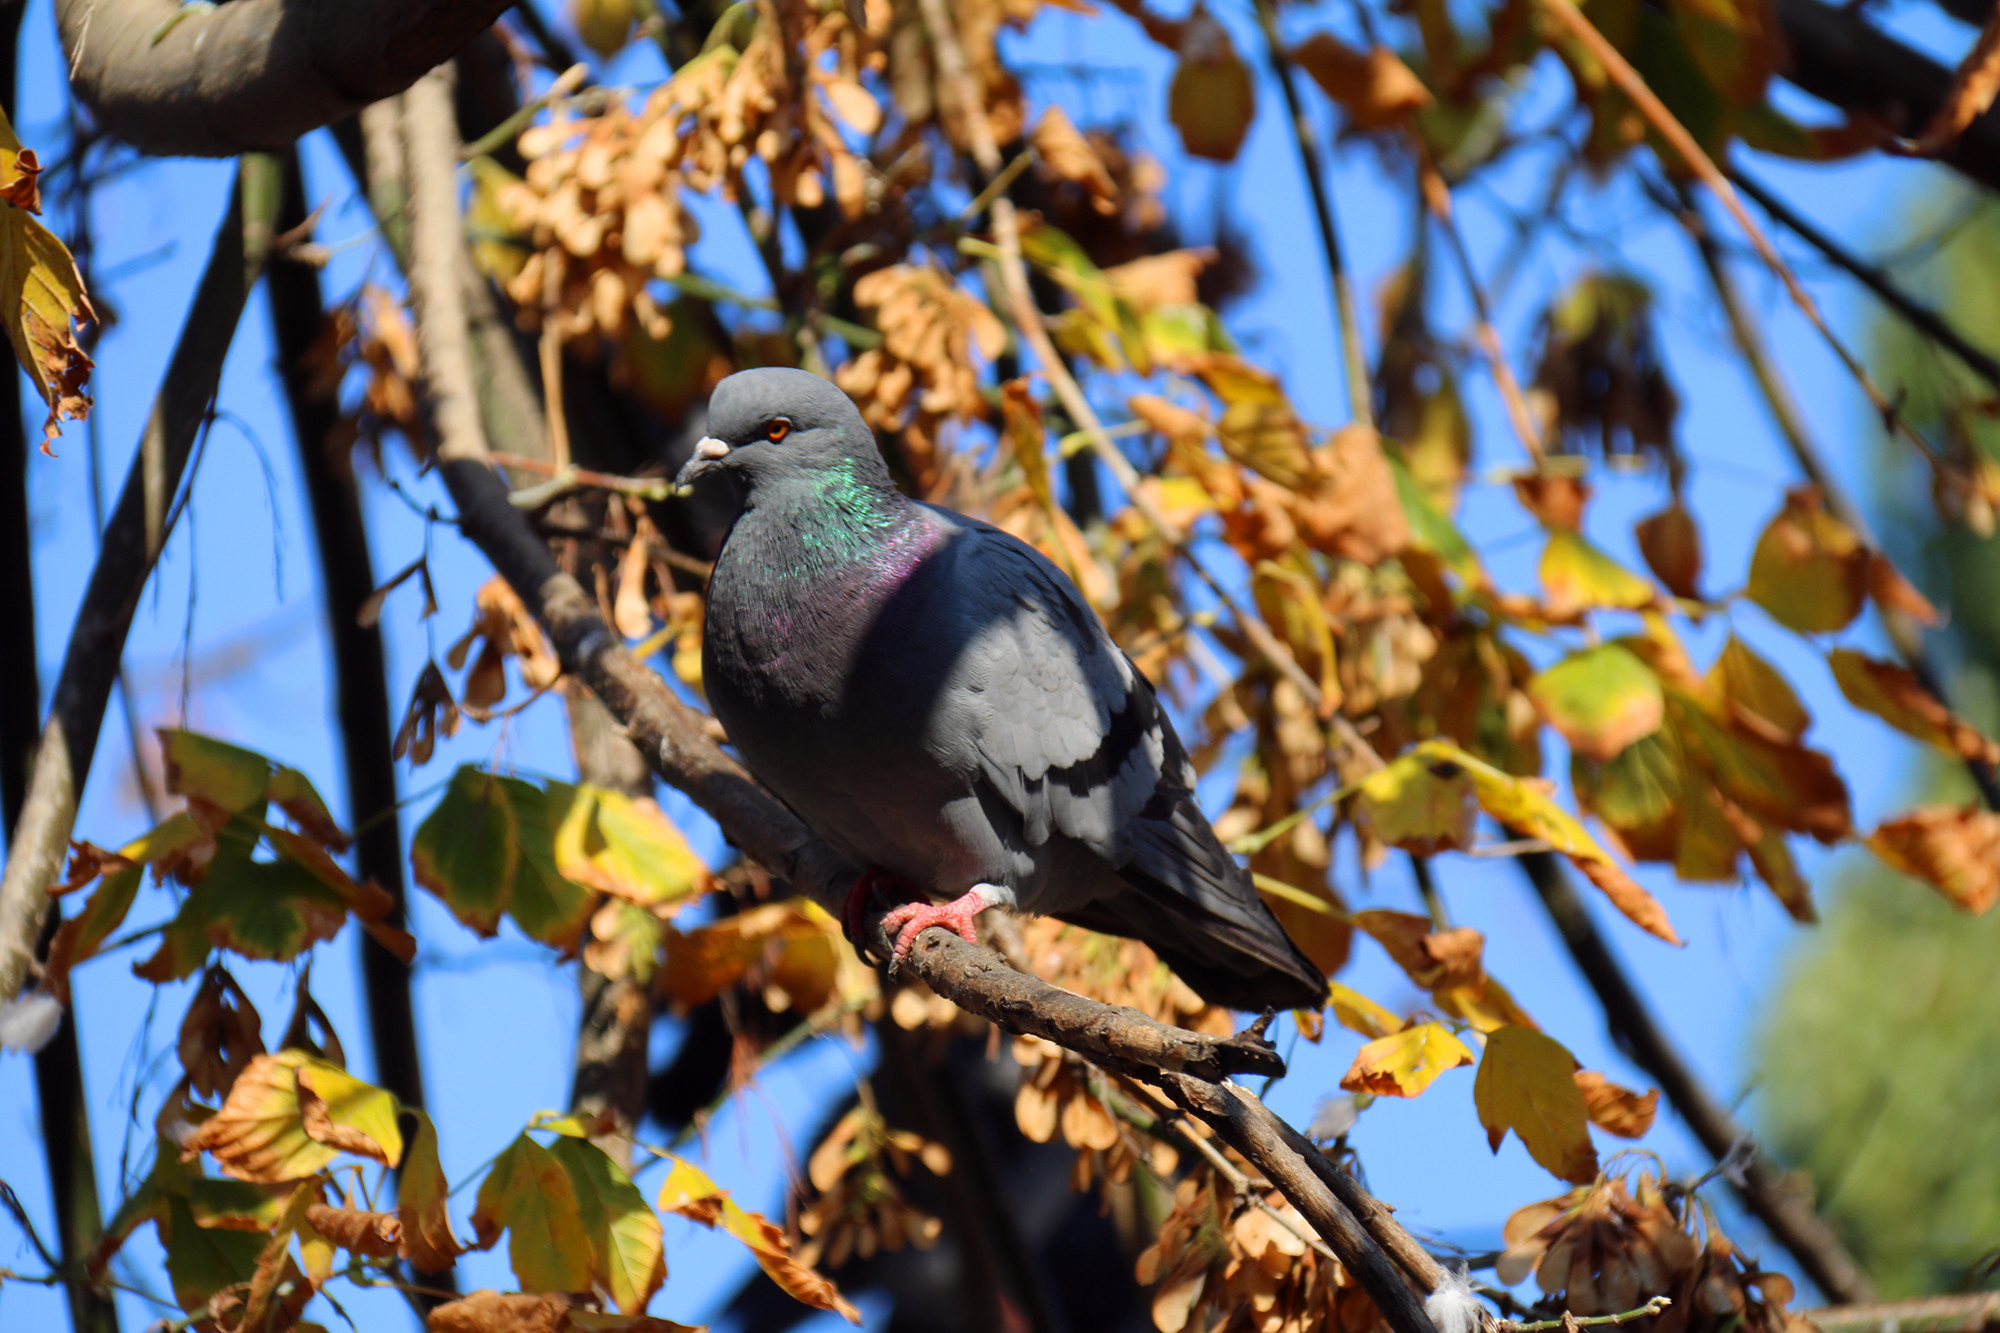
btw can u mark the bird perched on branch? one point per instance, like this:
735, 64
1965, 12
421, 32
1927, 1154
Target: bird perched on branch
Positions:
936, 700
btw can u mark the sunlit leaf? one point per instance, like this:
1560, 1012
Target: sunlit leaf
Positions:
1809, 570
79, 937
1956, 852
626, 1254
1527, 1083
689, 1192
1617, 1110
227, 776
1404, 1063
41, 296
1601, 699
1577, 577
260, 1132
421, 1194
341, 1111
528, 1194
1487, 1006
1357, 1013
626, 847
1895, 695
545, 904
1421, 807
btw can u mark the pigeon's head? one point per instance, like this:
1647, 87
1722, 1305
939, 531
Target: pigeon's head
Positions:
771, 423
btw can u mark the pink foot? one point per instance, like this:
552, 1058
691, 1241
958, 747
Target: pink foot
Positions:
957, 915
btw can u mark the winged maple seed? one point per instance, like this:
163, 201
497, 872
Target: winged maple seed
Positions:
856, 1209
1605, 1248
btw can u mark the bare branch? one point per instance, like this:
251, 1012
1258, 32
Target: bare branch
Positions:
251, 75
437, 263
131, 546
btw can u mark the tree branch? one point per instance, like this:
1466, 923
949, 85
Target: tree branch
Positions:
1971, 1313
1842, 59
252, 74
131, 546
1782, 1207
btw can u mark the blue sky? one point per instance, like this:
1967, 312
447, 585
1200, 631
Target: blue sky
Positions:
237, 586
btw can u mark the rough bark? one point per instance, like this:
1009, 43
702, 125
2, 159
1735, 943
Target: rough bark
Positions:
131, 545
251, 75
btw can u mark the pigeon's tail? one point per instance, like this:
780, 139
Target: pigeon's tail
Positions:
1230, 963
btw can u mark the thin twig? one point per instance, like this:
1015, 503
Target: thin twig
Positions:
1903, 630
1568, 1321
1918, 315
562, 480
1698, 161
510, 129
1354, 358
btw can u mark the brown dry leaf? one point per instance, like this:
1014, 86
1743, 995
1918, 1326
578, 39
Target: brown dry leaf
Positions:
1893, 592
259, 1133
1151, 281
1617, 1110
1671, 545
1757, 694
1433, 959
1895, 695
1972, 91
1349, 506
1555, 499
1955, 851
1072, 158
1377, 88
1809, 570
376, 1235
501, 1312
42, 299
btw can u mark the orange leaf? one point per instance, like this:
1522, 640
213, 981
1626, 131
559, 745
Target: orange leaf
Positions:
1671, 545
1378, 90
1955, 851
1895, 695
1617, 1110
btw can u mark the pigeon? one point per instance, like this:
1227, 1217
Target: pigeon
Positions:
935, 699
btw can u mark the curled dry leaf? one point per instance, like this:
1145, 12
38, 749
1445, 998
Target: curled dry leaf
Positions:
1956, 852
376, 1235
1404, 1063
41, 293
1895, 695
1072, 158
1617, 1110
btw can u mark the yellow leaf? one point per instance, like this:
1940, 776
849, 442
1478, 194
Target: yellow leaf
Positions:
626, 847
341, 1111
1357, 1013
1956, 852
528, 1195
1895, 695
1578, 577
626, 1253
689, 1192
1526, 805
1756, 694
421, 1194
42, 298
260, 1132
1404, 1063
1487, 1006
1423, 807
18, 170
1809, 570
1601, 699
1527, 1083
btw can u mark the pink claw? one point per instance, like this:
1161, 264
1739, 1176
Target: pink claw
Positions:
915, 918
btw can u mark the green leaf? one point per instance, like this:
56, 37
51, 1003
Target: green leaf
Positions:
263, 909
222, 774
626, 1252
466, 851
1636, 792
1527, 1083
1601, 699
1578, 577
528, 1195
204, 1260
545, 905
80, 936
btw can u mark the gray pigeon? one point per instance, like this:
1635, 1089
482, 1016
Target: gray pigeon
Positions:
936, 700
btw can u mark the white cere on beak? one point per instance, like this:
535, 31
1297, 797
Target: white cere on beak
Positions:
711, 449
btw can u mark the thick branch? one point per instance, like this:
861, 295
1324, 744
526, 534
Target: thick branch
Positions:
1782, 1207
252, 74
131, 546
1970, 1313
1841, 58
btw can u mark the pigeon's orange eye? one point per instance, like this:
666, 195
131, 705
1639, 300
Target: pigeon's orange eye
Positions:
777, 428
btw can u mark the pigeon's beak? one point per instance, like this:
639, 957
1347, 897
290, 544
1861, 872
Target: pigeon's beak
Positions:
707, 454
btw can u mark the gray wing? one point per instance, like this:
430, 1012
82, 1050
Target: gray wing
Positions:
1068, 734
